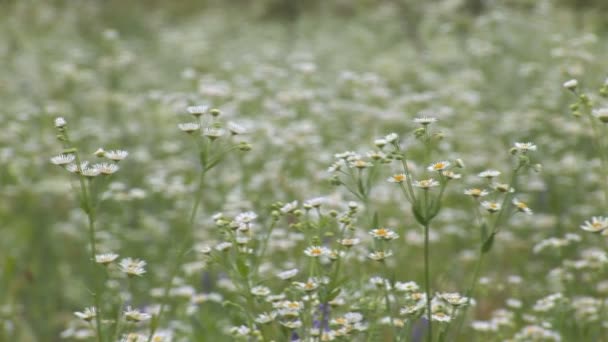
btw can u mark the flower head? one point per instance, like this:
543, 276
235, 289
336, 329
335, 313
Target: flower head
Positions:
425, 120
491, 206
384, 234
317, 251
87, 315
521, 206
439, 166
132, 267
63, 159
189, 127
525, 147
134, 315
397, 178
426, 184
597, 224
116, 155
105, 259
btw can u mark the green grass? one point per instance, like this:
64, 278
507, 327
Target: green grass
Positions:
333, 78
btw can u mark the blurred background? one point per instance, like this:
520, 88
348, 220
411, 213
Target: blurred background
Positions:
309, 79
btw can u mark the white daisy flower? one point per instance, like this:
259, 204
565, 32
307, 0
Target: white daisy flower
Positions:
491, 206
132, 267
189, 127
63, 159
105, 259
597, 224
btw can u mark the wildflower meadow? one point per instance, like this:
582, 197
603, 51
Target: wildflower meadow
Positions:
290, 170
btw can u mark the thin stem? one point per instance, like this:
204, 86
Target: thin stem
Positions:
88, 208
387, 302
470, 292
427, 285
178, 259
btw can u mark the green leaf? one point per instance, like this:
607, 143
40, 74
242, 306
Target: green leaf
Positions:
333, 294
484, 231
375, 220
242, 267
487, 245
418, 215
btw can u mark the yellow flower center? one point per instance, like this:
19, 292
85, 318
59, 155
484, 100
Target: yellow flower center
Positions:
381, 232
399, 178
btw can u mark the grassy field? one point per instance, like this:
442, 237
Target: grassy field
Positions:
310, 172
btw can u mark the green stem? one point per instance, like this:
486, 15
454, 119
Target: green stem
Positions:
389, 310
178, 259
427, 285
470, 292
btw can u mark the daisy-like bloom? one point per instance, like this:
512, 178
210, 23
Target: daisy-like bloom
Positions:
116, 155
438, 166
105, 259
502, 187
315, 202
289, 207
134, 315
246, 217
261, 291
376, 155
316, 251
288, 308
441, 317
392, 138
413, 309
132, 267
379, 255
236, 129
597, 224
99, 153
106, 168
525, 147
347, 155
601, 114
60, 122
426, 184
489, 174
213, 133
476, 193
453, 298
73, 168
292, 324
87, 315
337, 166
285, 275
425, 120
349, 242
397, 178
63, 159
189, 127
224, 246
91, 171
265, 318
197, 110
571, 84
521, 206
409, 286
242, 330
310, 285
491, 206
380, 143
360, 164
384, 234
451, 174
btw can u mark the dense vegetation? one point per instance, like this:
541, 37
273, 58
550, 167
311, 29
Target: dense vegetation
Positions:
306, 170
